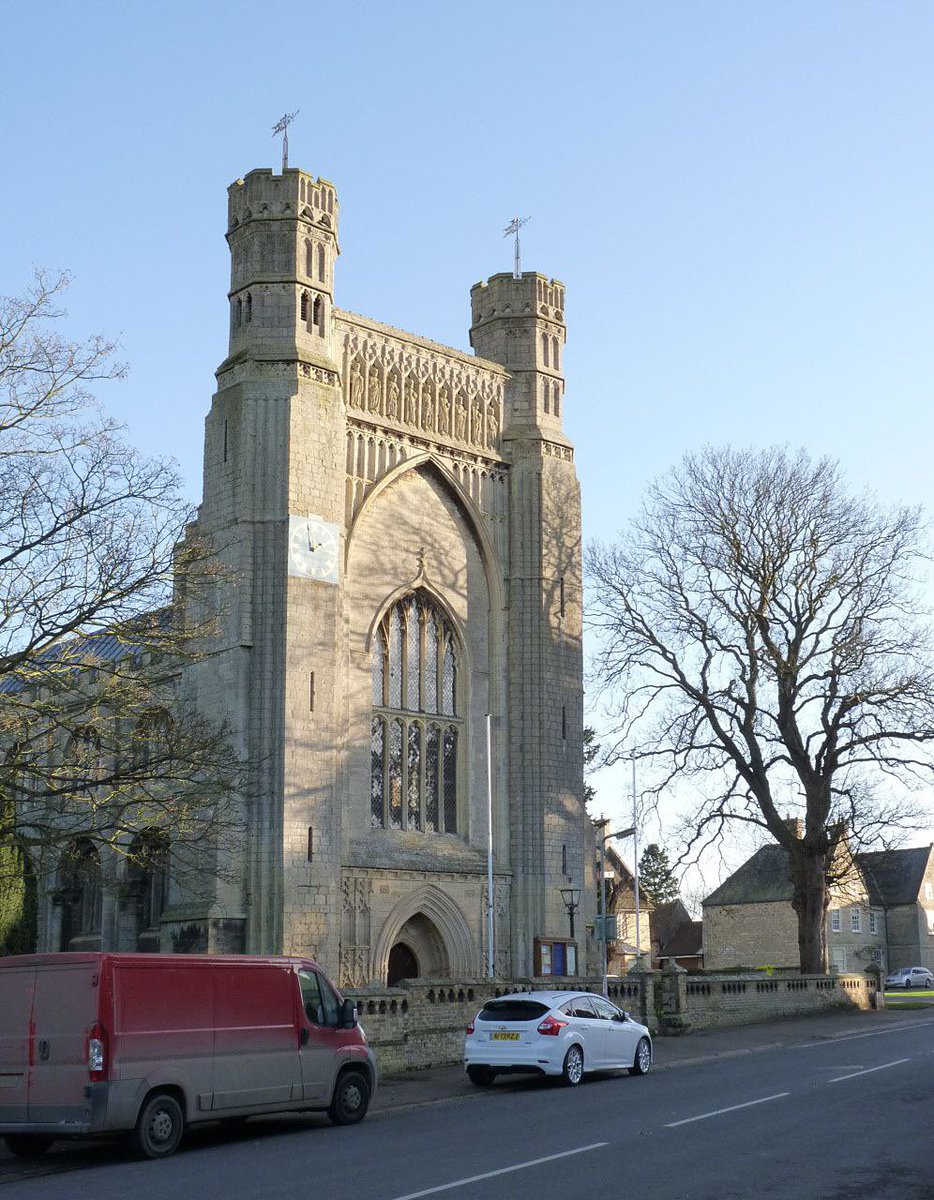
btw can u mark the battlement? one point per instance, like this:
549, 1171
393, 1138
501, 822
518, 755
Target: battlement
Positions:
293, 194
532, 295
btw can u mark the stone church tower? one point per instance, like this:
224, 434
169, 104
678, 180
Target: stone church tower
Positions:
400, 526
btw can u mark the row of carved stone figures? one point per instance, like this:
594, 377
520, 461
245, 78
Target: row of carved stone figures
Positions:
472, 422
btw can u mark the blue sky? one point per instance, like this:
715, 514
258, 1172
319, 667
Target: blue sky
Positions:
739, 197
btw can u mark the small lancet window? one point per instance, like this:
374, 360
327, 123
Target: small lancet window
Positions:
249, 307
239, 312
545, 349
555, 362
303, 306
308, 254
321, 274
557, 400
318, 315
546, 389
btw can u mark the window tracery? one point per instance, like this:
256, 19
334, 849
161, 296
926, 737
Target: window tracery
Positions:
416, 725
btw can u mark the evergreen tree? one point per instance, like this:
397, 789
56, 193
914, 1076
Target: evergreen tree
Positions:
656, 877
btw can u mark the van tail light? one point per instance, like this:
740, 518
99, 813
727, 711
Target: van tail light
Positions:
551, 1026
97, 1052
471, 1027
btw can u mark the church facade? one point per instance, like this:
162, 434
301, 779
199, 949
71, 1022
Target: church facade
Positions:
399, 654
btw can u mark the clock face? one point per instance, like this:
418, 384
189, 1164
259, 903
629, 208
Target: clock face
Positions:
314, 549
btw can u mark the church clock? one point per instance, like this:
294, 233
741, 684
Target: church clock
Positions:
314, 546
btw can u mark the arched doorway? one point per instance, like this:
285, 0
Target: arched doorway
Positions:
418, 951
402, 964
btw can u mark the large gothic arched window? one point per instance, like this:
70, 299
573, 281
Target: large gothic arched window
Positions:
416, 719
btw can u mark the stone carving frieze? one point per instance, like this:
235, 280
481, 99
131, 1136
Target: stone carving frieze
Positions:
558, 450
356, 892
393, 383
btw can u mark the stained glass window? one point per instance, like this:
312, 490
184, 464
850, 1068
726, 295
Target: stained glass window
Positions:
415, 781
450, 780
432, 777
395, 775
378, 767
413, 770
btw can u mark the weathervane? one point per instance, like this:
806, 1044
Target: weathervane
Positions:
282, 126
513, 227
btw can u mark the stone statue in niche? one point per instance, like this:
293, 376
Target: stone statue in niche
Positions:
392, 399
375, 393
460, 420
356, 386
428, 409
411, 403
492, 424
477, 428
444, 411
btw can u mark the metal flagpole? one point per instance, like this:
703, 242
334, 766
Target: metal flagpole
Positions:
490, 958
635, 851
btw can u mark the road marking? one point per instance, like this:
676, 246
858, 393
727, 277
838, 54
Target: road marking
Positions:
733, 1108
533, 1162
852, 1037
869, 1070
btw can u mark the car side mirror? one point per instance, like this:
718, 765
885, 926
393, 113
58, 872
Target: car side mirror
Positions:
348, 1014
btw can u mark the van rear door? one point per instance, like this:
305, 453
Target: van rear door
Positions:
17, 985
65, 1007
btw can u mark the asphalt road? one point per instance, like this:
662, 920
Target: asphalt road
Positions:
836, 1119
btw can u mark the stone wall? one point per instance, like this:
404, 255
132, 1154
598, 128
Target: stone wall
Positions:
422, 1023
713, 1001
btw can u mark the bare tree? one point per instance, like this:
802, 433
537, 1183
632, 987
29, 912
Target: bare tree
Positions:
763, 634
103, 601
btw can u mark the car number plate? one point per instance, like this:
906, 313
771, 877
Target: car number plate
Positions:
504, 1037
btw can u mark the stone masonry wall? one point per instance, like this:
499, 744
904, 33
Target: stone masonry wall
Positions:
422, 1023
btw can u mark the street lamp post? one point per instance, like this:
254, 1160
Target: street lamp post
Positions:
572, 898
601, 824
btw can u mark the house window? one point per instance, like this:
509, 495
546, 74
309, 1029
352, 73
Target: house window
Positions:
835, 920
873, 921
838, 957
415, 733
856, 922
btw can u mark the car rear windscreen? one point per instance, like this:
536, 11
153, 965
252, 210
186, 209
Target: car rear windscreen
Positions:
513, 1010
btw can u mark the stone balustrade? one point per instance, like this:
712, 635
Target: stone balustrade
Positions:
422, 1022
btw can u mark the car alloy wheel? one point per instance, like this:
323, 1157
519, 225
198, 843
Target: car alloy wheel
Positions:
573, 1070
643, 1060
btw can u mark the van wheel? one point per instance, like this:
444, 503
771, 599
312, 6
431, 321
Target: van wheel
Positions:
28, 1145
160, 1127
351, 1099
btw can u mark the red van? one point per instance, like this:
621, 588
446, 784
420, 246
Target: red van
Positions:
150, 1043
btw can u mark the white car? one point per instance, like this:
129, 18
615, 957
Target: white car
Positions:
562, 1034
909, 977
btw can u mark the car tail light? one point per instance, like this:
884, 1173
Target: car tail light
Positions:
551, 1026
470, 1027
97, 1052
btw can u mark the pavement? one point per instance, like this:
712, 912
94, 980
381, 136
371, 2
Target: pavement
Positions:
435, 1085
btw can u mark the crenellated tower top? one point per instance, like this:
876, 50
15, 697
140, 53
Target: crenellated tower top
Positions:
520, 324
282, 233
